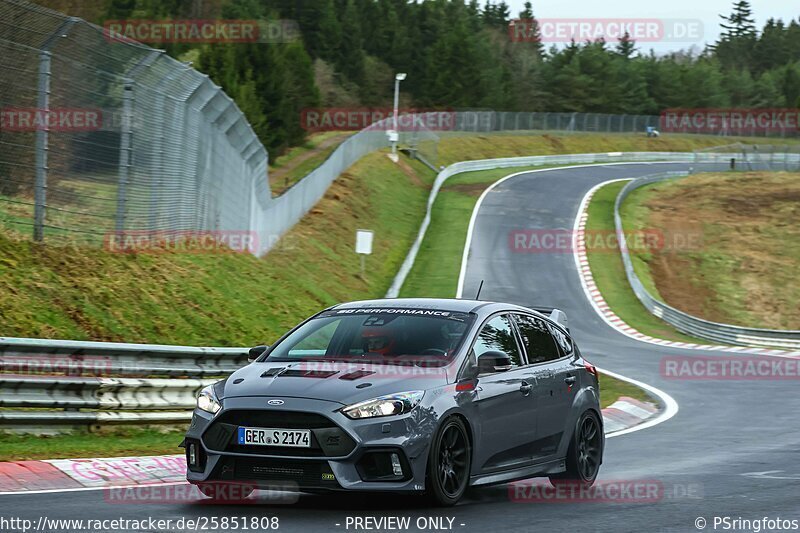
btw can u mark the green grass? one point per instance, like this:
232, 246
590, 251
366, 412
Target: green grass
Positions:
227, 299
743, 270
435, 271
311, 154
113, 442
611, 389
609, 273
460, 147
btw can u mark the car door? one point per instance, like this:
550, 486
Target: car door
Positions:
504, 402
553, 396
567, 381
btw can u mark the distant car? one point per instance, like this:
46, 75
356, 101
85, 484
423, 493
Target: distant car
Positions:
404, 395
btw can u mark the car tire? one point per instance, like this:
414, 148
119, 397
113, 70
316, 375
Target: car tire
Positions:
585, 452
449, 463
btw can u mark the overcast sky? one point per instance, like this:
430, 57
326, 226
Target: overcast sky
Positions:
705, 12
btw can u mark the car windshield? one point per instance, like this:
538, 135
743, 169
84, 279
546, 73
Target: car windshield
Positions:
390, 336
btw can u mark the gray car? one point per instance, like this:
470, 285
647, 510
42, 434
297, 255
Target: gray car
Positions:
403, 395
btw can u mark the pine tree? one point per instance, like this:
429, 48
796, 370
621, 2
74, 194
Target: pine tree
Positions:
626, 46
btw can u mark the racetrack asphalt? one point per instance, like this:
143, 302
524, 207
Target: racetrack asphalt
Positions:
733, 449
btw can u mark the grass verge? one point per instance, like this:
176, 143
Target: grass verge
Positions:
609, 273
731, 246
227, 299
460, 147
113, 442
298, 162
611, 389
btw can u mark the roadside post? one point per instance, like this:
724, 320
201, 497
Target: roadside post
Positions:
364, 246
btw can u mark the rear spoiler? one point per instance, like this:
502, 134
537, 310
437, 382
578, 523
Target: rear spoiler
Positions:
556, 315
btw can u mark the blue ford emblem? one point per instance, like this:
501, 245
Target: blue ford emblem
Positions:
275, 402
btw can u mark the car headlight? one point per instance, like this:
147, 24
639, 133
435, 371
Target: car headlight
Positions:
207, 400
393, 404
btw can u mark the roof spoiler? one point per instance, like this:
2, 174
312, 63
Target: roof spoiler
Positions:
556, 315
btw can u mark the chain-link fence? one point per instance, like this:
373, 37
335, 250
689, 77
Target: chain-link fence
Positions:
101, 136
102, 140
489, 121
774, 157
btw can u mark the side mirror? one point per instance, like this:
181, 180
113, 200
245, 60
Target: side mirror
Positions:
494, 361
256, 352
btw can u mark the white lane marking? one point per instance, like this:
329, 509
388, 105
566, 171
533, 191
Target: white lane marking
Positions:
771, 474
670, 405
602, 308
470, 228
83, 489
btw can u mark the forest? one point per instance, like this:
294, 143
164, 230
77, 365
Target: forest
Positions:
459, 56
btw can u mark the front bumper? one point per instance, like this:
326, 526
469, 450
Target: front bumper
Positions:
345, 454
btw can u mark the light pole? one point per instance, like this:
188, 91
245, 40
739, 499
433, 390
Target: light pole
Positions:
394, 136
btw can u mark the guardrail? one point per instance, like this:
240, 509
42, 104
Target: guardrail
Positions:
689, 324
53, 384
572, 159
41, 356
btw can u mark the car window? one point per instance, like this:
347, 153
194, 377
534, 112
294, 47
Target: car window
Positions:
388, 334
538, 342
316, 343
498, 336
563, 340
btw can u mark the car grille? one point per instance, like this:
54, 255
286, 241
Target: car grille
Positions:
327, 439
305, 473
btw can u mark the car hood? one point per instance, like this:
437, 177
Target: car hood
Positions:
345, 383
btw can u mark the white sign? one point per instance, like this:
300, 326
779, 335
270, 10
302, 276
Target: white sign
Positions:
364, 241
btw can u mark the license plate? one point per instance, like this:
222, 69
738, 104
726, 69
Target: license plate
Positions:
292, 438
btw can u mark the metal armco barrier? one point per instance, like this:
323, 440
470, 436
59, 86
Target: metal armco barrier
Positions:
572, 159
99, 393
53, 384
692, 325
106, 359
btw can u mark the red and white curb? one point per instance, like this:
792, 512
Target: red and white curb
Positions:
626, 413
65, 475
60, 475
601, 307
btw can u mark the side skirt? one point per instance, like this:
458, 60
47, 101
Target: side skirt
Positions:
543, 469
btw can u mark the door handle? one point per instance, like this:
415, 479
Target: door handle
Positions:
525, 388
570, 380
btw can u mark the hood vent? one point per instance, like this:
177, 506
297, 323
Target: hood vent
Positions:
297, 373
272, 372
358, 374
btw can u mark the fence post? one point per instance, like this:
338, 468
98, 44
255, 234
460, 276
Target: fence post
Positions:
42, 138
158, 150
43, 134
126, 133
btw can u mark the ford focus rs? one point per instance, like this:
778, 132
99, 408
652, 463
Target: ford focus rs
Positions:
405, 395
